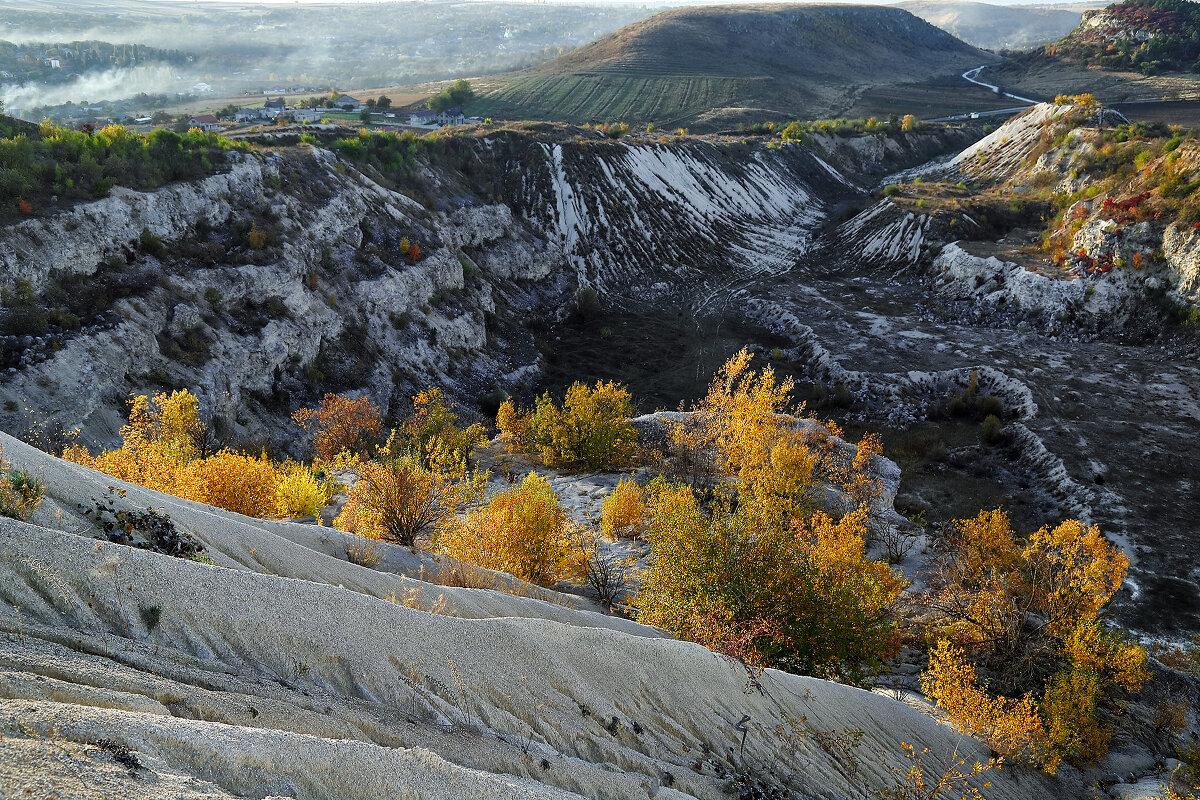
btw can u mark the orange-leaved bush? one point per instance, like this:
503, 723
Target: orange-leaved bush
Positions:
157, 442
159, 451
341, 425
1029, 611
523, 531
233, 481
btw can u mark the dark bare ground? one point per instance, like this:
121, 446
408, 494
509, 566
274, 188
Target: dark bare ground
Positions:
1120, 415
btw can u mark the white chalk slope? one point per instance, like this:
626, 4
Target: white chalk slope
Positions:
284, 672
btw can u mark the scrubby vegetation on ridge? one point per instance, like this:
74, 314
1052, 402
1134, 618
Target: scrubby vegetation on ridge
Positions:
82, 165
747, 552
1146, 35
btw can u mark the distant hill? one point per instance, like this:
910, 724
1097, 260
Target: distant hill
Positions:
1150, 36
708, 64
996, 27
1138, 51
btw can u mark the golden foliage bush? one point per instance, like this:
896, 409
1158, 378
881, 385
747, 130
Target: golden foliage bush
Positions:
435, 436
623, 512
776, 582
1011, 727
1030, 611
746, 432
159, 451
157, 441
522, 531
514, 427
298, 494
590, 431
232, 481
802, 598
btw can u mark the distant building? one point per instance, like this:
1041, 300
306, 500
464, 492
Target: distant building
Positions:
274, 104
423, 118
247, 115
205, 122
427, 118
305, 115
348, 103
451, 116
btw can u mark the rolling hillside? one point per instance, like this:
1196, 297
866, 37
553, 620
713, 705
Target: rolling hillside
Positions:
995, 26
1135, 52
712, 65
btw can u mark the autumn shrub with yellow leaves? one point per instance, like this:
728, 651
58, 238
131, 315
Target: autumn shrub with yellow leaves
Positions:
233, 481
589, 431
159, 451
436, 438
802, 597
765, 575
299, 494
623, 512
523, 531
1028, 610
746, 435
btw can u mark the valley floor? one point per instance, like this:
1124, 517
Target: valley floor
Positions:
1114, 412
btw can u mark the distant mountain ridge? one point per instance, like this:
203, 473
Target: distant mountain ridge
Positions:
805, 60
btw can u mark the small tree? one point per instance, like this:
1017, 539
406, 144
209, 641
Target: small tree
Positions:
624, 510
341, 425
398, 499
803, 598
458, 93
523, 531
435, 435
591, 430
1030, 611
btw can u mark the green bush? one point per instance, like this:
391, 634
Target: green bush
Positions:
990, 430
20, 494
46, 161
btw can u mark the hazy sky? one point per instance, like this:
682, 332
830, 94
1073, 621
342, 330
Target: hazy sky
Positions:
98, 4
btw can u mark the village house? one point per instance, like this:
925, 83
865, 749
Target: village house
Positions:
244, 116
423, 118
427, 118
205, 122
305, 115
348, 103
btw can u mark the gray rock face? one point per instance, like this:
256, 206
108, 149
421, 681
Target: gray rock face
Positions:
329, 302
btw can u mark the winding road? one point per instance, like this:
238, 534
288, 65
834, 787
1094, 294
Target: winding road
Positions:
972, 75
